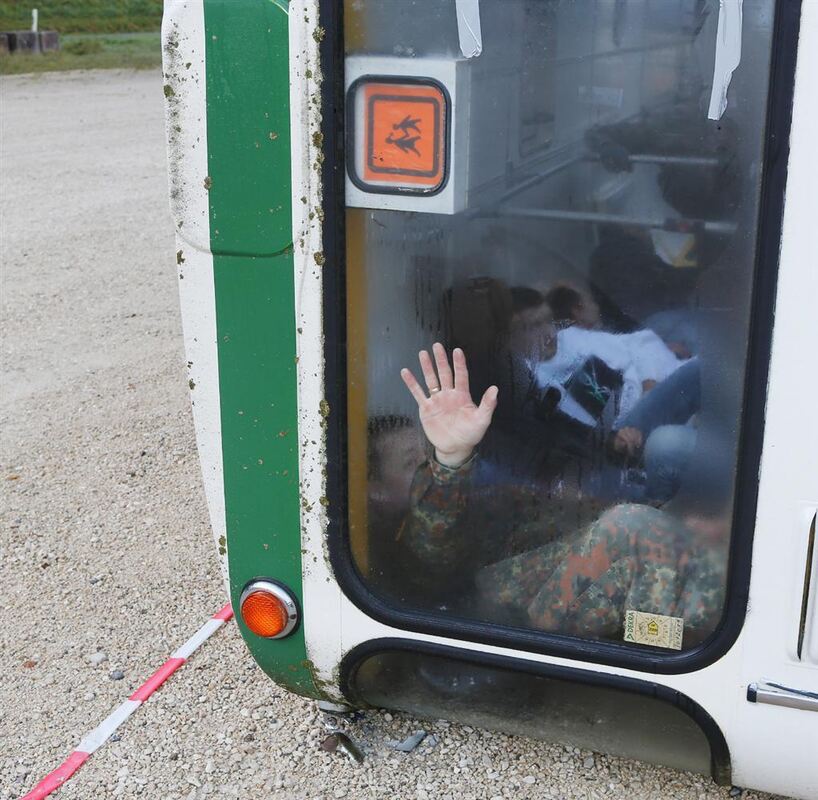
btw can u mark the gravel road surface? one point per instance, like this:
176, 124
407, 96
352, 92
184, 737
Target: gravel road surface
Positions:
106, 559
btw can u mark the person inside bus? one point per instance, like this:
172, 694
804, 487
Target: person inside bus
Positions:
573, 306
395, 447
679, 168
585, 364
558, 386
661, 431
579, 582
394, 450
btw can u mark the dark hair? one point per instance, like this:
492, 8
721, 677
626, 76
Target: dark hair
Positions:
524, 298
563, 300
376, 427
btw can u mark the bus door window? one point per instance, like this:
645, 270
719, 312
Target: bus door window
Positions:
591, 268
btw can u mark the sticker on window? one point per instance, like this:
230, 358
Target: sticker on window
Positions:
653, 629
399, 135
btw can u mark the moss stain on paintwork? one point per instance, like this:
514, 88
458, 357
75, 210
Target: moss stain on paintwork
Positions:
325, 687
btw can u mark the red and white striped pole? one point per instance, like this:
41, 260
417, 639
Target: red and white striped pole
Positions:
92, 741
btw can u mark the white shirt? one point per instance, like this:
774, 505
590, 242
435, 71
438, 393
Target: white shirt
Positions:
640, 356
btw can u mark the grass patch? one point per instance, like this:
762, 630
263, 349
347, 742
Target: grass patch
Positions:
83, 47
90, 51
83, 16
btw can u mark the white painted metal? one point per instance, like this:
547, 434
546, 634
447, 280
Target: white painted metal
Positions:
183, 44
775, 748
322, 597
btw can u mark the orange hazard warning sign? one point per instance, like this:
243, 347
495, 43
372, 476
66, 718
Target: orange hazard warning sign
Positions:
404, 135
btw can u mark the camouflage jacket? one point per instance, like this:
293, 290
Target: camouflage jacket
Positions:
530, 568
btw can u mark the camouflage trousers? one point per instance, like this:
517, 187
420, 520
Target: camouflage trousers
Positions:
633, 557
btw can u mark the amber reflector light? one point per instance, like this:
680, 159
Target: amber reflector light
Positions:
264, 614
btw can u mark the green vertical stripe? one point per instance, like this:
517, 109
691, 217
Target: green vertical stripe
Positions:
248, 131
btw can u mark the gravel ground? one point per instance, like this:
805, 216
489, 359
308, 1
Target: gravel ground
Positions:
105, 547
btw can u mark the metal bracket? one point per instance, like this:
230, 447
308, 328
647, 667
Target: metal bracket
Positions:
775, 694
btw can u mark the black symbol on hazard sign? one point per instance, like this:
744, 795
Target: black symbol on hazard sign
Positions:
407, 124
405, 143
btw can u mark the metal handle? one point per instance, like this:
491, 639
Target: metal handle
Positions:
775, 694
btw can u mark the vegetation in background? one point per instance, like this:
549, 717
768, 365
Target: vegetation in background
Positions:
95, 51
83, 16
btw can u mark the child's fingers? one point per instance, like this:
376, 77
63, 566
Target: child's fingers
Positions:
413, 386
444, 371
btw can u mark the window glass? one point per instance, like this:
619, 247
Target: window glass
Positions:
590, 252
599, 717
